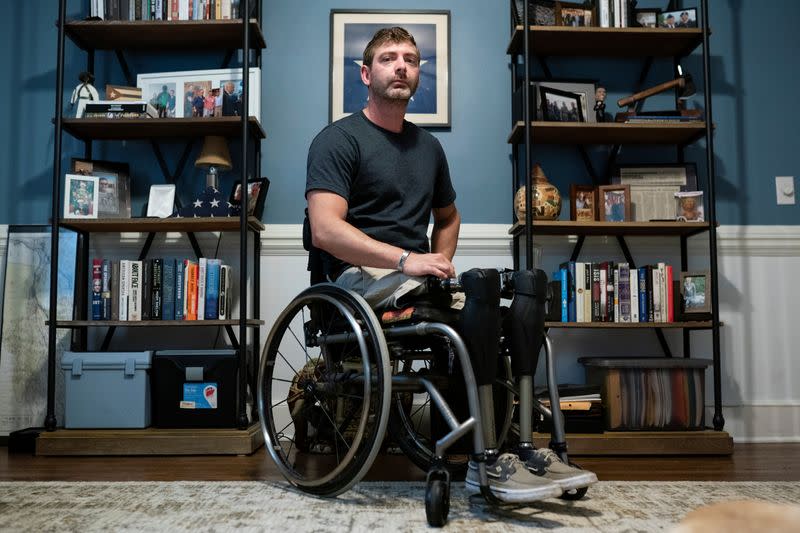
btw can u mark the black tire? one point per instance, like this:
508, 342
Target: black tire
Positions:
323, 417
437, 502
577, 494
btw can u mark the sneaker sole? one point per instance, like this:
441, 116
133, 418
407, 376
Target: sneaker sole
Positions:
575, 482
518, 495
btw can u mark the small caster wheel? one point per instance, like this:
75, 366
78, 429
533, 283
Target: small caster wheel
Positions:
437, 502
572, 495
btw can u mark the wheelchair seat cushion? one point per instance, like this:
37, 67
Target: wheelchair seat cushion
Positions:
420, 312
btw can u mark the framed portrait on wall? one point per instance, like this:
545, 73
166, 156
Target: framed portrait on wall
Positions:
351, 31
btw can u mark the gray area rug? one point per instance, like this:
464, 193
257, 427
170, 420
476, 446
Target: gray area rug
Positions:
256, 506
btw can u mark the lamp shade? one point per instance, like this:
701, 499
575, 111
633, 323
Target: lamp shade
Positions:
215, 153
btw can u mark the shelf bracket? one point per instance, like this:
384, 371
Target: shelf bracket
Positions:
588, 164
626, 251
577, 250
232, 337
663, 341
123, 63
107, 338
546, 69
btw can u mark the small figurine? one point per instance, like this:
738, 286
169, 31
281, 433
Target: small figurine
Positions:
600, 104
85, 92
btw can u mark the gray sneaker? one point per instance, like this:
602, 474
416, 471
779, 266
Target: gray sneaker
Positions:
545, 463
511, 482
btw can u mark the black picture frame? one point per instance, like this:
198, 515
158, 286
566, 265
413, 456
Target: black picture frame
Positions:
695, 295
541, 12
573, 113
654, 12
255, 204
115, 192
691, 22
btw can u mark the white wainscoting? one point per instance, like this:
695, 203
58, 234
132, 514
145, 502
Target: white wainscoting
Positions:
758, 301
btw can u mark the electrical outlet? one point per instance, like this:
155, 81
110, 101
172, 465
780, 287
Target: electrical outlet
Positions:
784, 188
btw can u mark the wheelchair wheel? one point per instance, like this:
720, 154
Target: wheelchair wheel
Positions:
437, 502
323, 390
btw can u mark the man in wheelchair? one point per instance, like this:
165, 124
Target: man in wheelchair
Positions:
373, 182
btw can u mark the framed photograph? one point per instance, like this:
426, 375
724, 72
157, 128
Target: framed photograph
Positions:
256, 195
689, 206
695, 289
114, 186
585, 89
201, 93
161, 202
682, 18
81, 196
351, 30
653, 187
583, 203
541, 12
614, 203
560, 106
576, 15
646, 18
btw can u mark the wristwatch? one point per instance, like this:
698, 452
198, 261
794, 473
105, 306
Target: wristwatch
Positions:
402, 263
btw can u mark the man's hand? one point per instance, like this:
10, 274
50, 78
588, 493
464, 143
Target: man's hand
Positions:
429, 265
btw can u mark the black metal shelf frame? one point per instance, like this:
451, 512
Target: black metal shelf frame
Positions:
250, 167
526, 62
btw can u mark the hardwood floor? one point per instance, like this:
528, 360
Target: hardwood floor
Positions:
749, 462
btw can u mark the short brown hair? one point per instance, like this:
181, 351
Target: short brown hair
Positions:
395, 34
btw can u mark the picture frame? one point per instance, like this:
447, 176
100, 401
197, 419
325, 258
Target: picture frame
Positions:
560, 106
541, 12
188, 94
114, 185
695, 292
161, 202
257, 189
350, 32
575, 15
653, 186
81, 196
583, 203
689, 206
614, 203
678, 19
586, 89
646, 17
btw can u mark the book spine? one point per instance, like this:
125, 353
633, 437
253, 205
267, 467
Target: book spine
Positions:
168, 289
135, 296
191, 291
624, 293
106, 289
179, 290
156, 291
580, 270
604, 12
595, 292
224, 291
124, 288
97, 289
115, 290
587, 292
604, 279
642, 273
656, 294
202, 272
670, 294
564, 277
634, 281
146, 285
212, 289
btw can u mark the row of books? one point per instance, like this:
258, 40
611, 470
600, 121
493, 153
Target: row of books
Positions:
613, 13
161, 289
655, 398
165, 9
609, 292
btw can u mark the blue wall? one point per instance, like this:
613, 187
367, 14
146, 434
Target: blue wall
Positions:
754, 74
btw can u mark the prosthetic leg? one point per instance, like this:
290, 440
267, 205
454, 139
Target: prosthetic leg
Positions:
479, 326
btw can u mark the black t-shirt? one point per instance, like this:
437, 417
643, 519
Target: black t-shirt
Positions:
391, 181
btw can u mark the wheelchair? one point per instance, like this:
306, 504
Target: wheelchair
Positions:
334, 378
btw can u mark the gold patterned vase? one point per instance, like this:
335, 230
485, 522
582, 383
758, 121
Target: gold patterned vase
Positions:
546, 200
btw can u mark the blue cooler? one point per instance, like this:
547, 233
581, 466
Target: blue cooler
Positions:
106, 389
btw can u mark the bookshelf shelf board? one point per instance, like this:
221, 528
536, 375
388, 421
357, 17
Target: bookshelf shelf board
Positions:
159, 225
88, 129
162, 35
706, 324
608, 133
648, 229
67, 324
606, 42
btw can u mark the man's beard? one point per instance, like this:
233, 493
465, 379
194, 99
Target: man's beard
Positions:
387, 92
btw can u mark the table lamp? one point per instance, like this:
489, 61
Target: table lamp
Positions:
216, 157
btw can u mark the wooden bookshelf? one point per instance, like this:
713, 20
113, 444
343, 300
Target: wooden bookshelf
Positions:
704, 442
697, 324
608, 133
607, 42
157, 225
645, 229
102, 129
162, 35
70, 324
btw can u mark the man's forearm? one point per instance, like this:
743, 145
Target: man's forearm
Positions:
444, 237
348, 243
